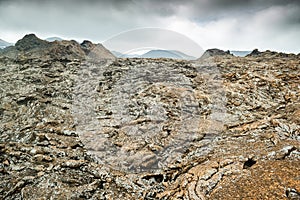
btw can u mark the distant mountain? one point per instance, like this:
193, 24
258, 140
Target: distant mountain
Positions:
4, 44
131, 56
52, 39
240, 53
117, 54
121, 55
157, 54
183, 55
166, 54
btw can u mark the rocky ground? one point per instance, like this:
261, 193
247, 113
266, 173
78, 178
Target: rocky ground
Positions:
76, 127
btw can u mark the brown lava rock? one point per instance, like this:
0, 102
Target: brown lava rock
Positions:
223, 127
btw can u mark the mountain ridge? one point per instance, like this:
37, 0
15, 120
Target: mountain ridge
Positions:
157, 53
4, 44
33, 47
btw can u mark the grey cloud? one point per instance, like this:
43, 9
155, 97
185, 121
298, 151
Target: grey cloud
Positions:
93, 20
100, 19
224, 8
153, 37
195, 8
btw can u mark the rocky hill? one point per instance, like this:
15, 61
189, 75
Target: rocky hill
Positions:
31, 47
215, 52
75, 125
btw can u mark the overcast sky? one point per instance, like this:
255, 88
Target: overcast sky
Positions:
224, 24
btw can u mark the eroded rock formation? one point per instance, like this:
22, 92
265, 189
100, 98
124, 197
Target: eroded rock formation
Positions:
223, 127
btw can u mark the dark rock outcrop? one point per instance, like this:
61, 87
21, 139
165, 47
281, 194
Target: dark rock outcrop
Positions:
215, 52
270, 54
31, 42
94, 51
87, 46
255, 52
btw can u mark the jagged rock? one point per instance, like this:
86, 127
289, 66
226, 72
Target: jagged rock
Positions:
255, 52
270, 54
87, 46
76, 128
95, 51
215, 52
69, 50
30, 42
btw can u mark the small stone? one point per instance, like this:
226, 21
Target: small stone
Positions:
17, 167
6, 163
39, 174
70, 133
73, 163
28, 178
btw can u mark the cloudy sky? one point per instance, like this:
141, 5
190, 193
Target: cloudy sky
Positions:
224, 24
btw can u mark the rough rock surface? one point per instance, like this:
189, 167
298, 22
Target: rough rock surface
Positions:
95, 51
215, 52
220, 128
